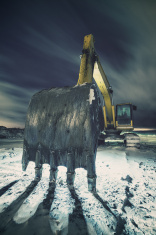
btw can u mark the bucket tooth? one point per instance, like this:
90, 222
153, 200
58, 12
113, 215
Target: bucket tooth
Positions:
25, 160
53, 167
91, 184
91, 173
70, 178
38, 165
91, 166
70, 168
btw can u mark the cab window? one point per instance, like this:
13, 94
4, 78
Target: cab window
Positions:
123, 114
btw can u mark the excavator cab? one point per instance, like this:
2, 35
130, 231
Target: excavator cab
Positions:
124, 116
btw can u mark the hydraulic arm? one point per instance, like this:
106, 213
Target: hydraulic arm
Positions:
90, 68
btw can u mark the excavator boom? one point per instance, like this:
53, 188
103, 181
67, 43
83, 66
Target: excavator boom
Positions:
105, 88
91, 69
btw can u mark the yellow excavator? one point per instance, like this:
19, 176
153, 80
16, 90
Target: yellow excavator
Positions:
64, 125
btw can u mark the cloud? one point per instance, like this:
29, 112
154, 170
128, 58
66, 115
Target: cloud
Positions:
41, 45
134, 81
60, 49
13, 105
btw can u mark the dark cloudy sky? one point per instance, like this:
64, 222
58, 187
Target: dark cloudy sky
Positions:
40, 44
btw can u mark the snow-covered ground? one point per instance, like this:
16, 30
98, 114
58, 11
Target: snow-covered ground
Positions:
124, 202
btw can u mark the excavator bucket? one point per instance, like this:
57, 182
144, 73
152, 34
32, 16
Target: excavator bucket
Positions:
62, 128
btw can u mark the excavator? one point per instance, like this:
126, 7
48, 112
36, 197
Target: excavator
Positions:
65, 125
114, 121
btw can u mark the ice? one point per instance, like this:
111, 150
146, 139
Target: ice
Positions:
126, 195
62, 205
89, 203
31, 203
10, 168
13, 193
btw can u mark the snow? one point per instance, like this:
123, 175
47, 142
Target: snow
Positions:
59, 212
32, 202
91, 96
125, 196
